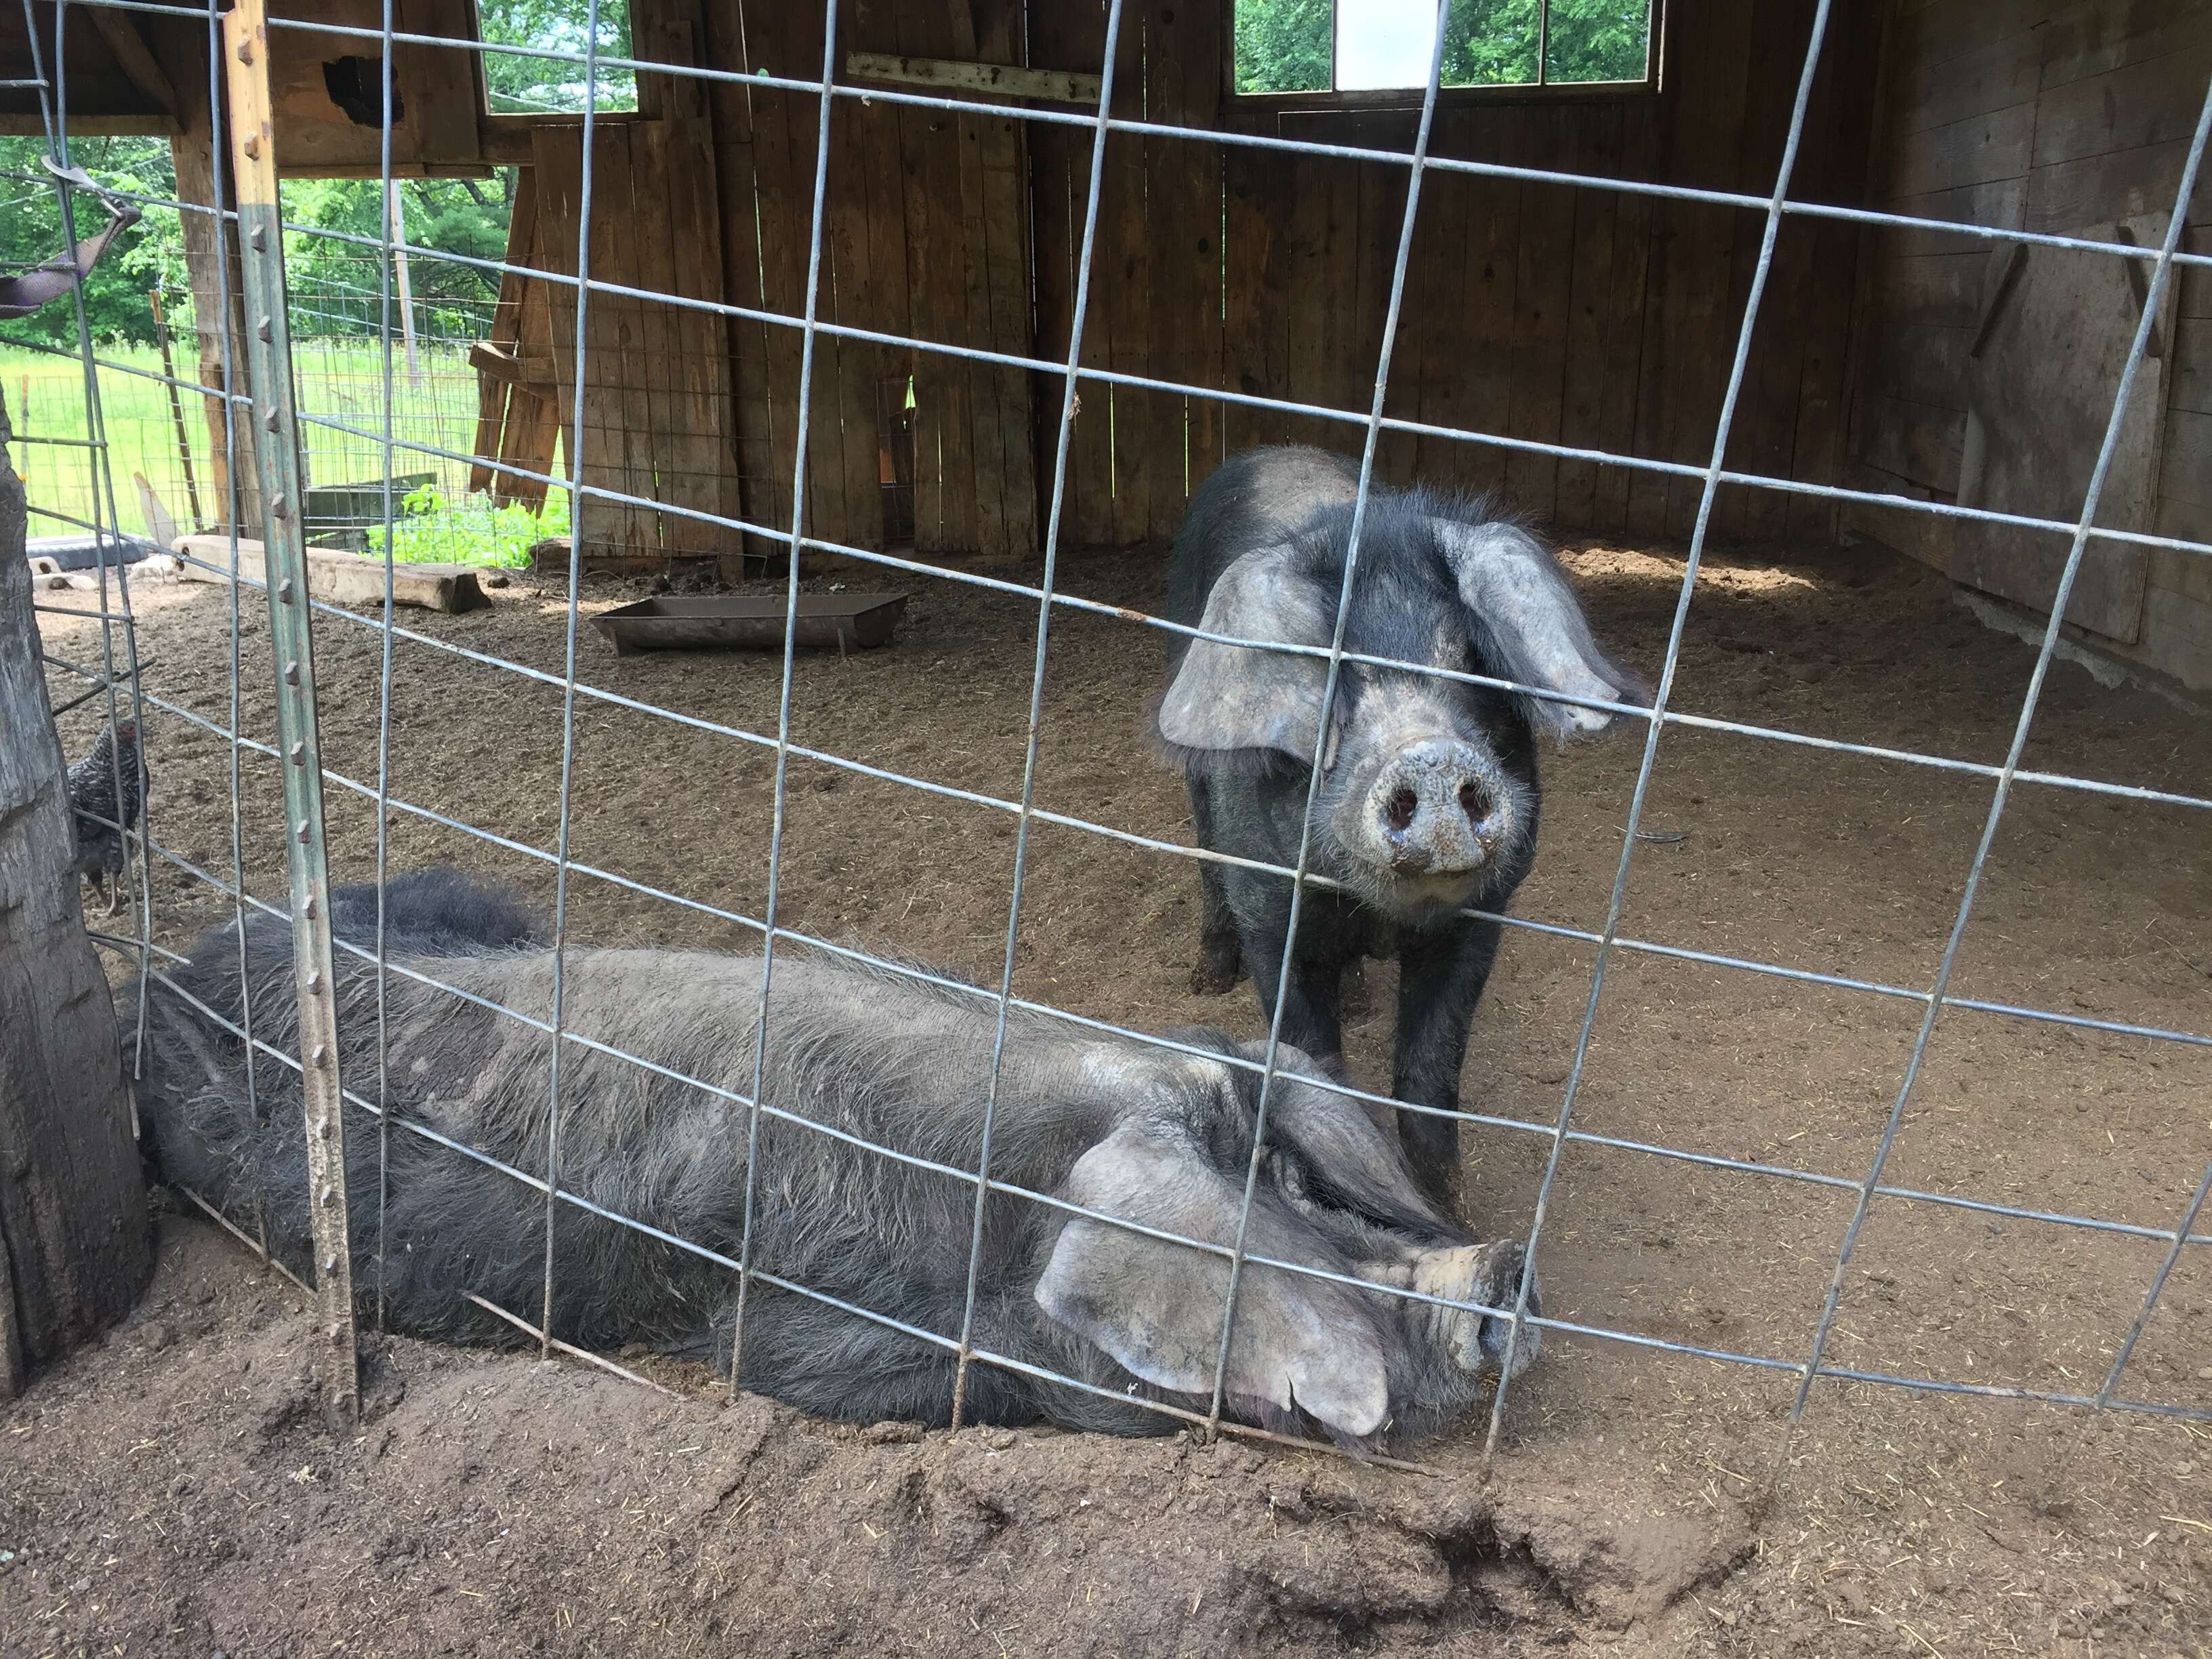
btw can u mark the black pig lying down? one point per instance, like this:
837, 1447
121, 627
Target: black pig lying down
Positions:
1428, 799
1159, 1137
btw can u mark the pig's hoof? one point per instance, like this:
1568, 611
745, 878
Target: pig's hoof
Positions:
1213, 978
1220, 968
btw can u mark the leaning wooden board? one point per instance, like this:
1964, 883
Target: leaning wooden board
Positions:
340, 578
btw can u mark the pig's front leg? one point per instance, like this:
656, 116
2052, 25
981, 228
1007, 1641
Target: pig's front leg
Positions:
1311, 1017
1440, 979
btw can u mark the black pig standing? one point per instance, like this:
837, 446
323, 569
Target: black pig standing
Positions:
1428, 799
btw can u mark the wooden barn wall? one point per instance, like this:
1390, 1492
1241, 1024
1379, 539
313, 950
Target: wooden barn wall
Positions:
928, 235
1576, 316
2049, 115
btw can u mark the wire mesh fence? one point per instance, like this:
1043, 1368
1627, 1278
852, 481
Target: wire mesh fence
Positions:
390, 418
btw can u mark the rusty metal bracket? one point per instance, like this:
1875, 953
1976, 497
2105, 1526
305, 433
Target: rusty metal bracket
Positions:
268, 357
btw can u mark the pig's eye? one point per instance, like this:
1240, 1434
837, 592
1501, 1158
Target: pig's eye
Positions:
1400, 808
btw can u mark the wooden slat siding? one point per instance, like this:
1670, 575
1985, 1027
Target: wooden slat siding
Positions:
1070, 35
2187, 476
1542, 293
988, 434
859, 230
1121, 293
557, 155
1183, 193
617, 419
695, 200
2121, 185
2090, 37
665, 464
1940, 289
1195, 70
1487, 290
1171, 220
1839, 165
1817, 450
1311, 292
1941, 30
1253, 341
738, 205
2001, 74
784, 186
1014, 532
1432, 331
2154, 102
1380, 203
1704, 309
1923, 363
1974, 151
1634, 217
1589, 361
944, 462
1767, 417
787, 41
1010, 529
2004, 202
1916, 441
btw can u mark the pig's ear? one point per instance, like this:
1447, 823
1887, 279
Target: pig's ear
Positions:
1233, 697
1155, 1307
1518, 593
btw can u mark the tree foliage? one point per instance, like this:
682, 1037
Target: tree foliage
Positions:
151, 253
527, 84
1288, 46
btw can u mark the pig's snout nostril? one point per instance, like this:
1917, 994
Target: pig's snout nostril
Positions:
1475, 802
1398, 811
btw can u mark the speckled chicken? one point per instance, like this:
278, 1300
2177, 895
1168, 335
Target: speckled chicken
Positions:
102, 848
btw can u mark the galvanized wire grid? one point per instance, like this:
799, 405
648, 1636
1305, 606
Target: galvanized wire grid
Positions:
1607, 939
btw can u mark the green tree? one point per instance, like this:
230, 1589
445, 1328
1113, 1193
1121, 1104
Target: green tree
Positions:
1288, 46
1284, 45
150, 253
529, 84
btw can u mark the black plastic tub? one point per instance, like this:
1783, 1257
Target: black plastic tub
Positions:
751, 621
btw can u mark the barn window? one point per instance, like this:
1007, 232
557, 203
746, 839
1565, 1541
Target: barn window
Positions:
1359, 51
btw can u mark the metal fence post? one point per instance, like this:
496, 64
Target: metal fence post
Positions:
268, 355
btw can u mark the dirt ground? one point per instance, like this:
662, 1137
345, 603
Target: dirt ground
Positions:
170, 1491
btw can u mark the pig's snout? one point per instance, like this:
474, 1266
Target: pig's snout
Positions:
1489, 1275
1436, 810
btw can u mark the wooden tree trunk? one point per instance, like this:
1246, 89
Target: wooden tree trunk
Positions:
75, 1242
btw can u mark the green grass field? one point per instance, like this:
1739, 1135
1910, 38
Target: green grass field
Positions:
339, 380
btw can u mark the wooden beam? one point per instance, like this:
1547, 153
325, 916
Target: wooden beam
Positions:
1052, 86
536, 374
137, 64
506, 138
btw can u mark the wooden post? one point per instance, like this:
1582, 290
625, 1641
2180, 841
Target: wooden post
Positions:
75, 1243
269, 356
211, 257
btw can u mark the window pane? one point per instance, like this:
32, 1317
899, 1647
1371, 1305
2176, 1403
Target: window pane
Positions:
1382, 44
1599, 39
1492, 43
1283, 46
